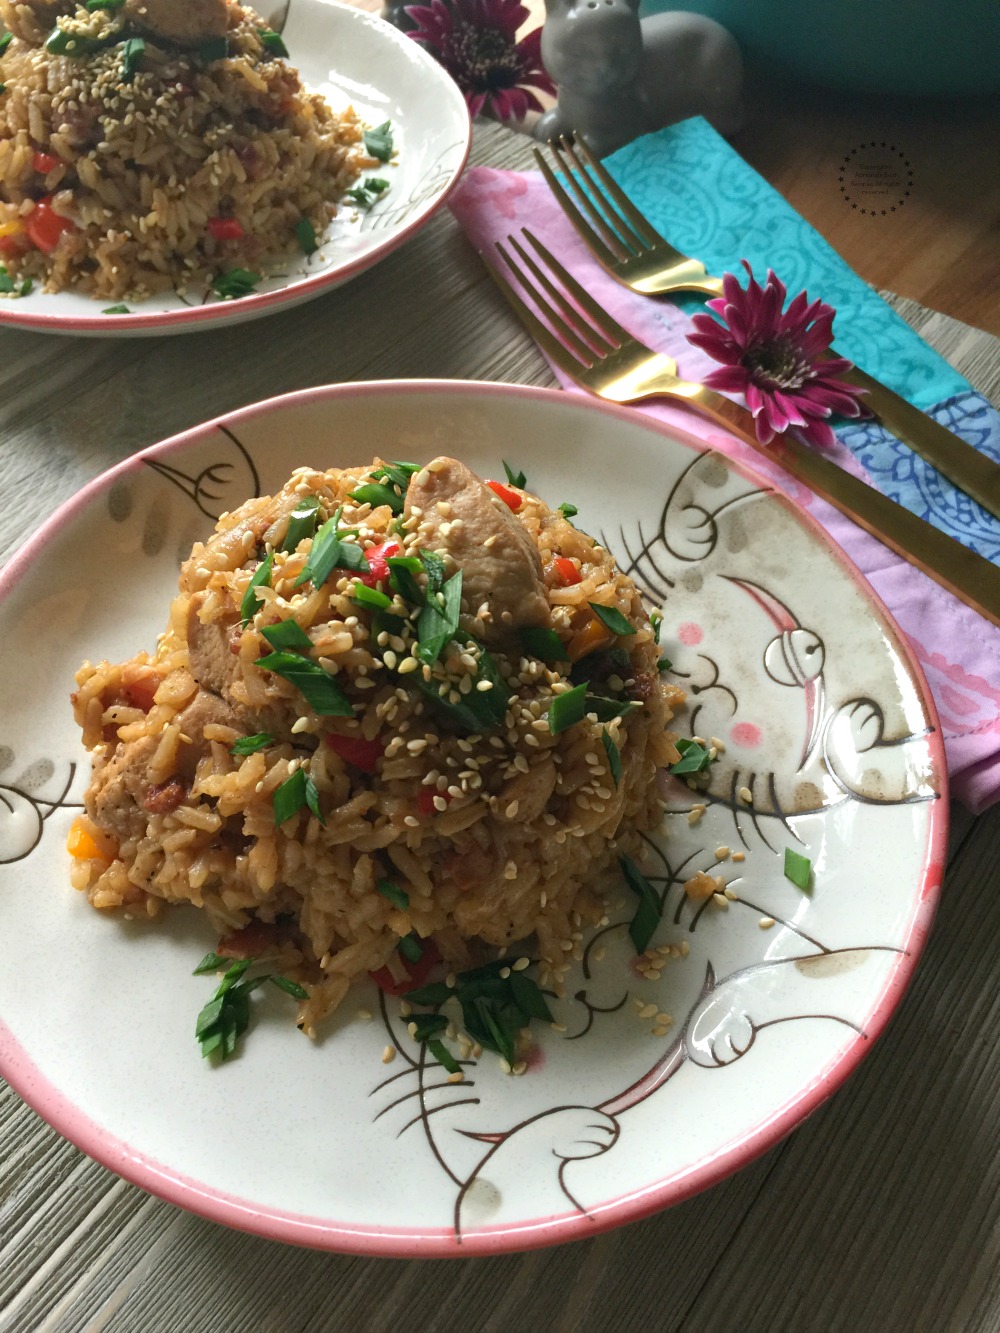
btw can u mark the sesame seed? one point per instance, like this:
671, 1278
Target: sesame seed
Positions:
721, 853
745, 795
766, 922
457, 1077
720, 900
520, 965
411, 821
647, 1011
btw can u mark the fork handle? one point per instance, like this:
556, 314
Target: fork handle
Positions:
965, 574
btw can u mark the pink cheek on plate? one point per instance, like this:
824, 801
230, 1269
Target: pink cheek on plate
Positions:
689, 634
535, 1059
746, 734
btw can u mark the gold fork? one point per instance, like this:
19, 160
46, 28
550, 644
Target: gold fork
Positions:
594, 351
624, 243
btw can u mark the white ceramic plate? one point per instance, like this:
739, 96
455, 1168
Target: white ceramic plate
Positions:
352, 58
788, 660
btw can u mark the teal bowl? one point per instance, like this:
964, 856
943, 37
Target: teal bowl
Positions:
933, 48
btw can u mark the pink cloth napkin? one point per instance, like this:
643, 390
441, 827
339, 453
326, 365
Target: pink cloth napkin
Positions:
958, 650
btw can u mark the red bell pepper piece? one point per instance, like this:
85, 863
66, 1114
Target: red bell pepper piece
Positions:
356, 750
566, 571
44, 227
43, 163
510, 497
226, 229
416, 973
378, 570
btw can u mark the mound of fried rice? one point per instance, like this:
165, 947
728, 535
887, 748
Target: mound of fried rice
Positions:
502, 835
119, 183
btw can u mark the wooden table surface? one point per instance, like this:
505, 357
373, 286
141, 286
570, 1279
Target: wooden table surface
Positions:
881, 1212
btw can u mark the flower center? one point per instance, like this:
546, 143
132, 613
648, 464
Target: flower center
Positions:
778, 363
482, 59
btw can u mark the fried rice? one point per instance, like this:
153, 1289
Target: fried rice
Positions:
329, 760
132, 162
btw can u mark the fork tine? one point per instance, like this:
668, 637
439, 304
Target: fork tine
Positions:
588, 234
642, 227
629, 241
603, 322
571, 320
549, 343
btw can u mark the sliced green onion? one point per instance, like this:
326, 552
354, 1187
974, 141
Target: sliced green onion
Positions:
378, 142
261, 576
402, 569
302, 523
235, 283
397, 896
798, 869
643, 925
567, 709
251, 744
290, 987
272, 43
614, 756
306, 234
517, 479
436, 993
132, 53
8, 37
664, 664
364, 195
210, 963
656, 624
373, 597
116, 310
376, 495
694, 758
329, 552
287, 634
528, 998
443, 1056
411, 948
545, 644
605, 709
295, 792
438, 621
426, 1025
612, 618
568, 511
321, 691
434, 567
216, 48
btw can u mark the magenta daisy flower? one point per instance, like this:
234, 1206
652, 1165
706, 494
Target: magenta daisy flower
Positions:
776, 360
476, 42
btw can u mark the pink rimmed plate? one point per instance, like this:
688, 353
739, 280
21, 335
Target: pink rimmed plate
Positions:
829, 746
352, 58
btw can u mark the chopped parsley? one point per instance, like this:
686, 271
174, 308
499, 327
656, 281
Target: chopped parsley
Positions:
235, 283
611, 618
365, 194
643, 925
517, 479
397, 896
798, 869
378, 142
294, 794
272, 43
321, 691
694, 758
132, 53
614, 756
251, 744
664, 664
224, 1019
261, 576
306, 234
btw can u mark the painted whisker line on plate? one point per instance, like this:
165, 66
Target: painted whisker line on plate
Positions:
591, 348
628, 247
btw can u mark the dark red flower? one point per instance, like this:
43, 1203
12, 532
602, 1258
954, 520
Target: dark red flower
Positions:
476, 42
776, 360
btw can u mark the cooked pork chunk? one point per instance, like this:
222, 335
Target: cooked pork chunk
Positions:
186, 22
500, 564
